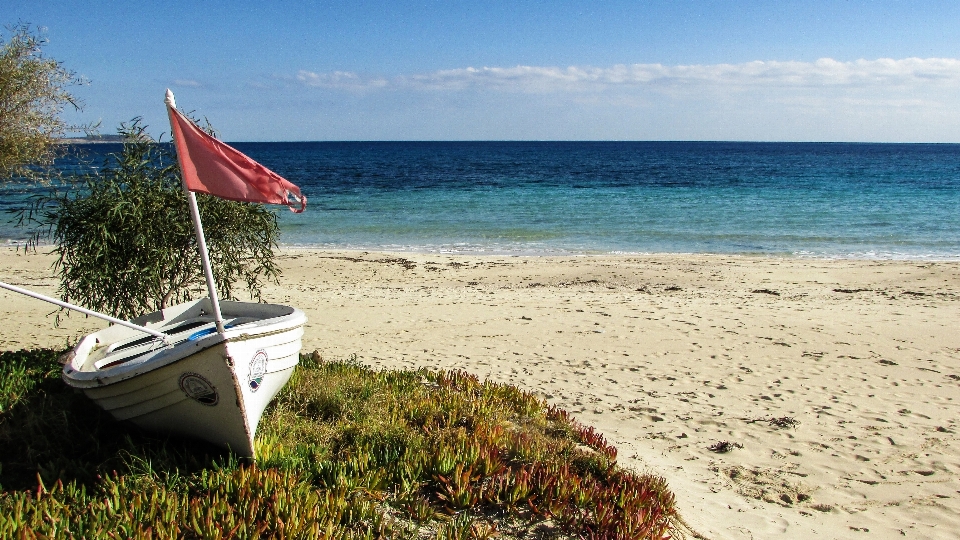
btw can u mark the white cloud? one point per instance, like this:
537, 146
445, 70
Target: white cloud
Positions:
882, 73
341, 80
911, 99
190, 83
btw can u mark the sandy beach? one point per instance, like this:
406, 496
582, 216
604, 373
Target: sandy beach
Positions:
834, 383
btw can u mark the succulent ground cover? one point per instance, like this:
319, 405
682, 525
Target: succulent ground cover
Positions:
343, 452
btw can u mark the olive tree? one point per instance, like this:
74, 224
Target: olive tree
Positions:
125, 243
33, 94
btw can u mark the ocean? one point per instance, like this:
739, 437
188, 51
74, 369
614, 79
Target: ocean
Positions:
824, 200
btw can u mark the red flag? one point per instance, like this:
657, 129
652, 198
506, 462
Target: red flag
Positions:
210, 166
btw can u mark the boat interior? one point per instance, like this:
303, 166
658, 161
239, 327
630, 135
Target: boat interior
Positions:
191, 322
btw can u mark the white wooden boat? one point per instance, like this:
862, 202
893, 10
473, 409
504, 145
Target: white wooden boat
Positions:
200, 383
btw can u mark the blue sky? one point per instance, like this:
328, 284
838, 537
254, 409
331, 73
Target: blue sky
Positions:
448, 70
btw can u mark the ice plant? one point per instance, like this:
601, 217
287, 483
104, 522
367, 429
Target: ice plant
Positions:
346, 452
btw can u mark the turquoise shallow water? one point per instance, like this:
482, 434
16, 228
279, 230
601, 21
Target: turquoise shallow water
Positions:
886, 201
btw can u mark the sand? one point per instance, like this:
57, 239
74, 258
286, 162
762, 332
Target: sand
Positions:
857, 361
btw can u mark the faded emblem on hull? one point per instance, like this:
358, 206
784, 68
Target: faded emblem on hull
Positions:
199, 389
258, 369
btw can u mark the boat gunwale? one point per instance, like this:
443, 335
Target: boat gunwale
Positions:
74, 376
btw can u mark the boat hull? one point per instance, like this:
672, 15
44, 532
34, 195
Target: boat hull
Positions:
204, 385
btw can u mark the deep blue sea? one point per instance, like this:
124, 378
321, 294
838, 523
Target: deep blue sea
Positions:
834, 200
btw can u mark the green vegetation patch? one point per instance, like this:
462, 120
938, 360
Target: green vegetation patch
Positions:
343, 452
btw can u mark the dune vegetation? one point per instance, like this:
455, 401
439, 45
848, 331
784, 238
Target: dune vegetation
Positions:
343, 452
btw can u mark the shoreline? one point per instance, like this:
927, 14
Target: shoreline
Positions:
803, 256
668, 354
614, 254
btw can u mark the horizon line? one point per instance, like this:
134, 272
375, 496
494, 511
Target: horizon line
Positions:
114, 140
